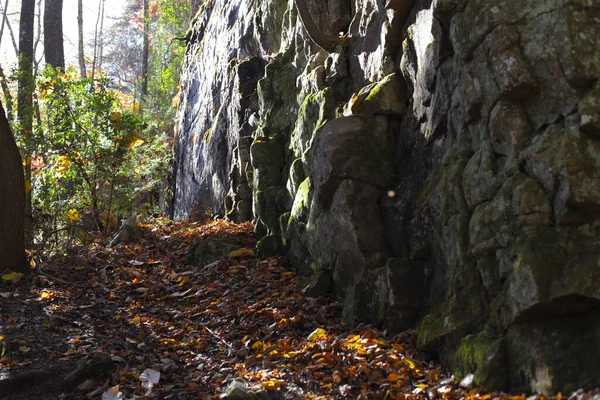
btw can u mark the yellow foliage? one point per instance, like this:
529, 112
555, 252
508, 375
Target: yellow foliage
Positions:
28, 186
131, 141
115, 116
73, 215
61, 166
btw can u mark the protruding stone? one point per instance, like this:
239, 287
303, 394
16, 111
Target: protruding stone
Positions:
388, 98
509, 128
510, 69
266, 153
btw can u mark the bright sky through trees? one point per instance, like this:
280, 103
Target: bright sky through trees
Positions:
113, 10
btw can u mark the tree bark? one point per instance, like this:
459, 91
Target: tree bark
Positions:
82, 68
12, 202
97, 61
25, 97
5, 89
6, 22
7, 95
4, 19
54, 50
323, 40
145, 54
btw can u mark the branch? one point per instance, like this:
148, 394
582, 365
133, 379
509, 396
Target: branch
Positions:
324, 41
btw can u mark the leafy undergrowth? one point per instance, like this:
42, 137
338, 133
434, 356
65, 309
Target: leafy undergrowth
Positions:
180, 332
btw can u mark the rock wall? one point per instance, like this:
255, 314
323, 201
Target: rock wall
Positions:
440, 169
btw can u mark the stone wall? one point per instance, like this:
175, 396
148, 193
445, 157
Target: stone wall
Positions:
440, 169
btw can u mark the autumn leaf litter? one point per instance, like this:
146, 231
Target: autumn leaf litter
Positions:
176, 331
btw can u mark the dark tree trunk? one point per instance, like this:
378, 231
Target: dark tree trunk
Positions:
54, 51
12, 202
82, 69
25, 97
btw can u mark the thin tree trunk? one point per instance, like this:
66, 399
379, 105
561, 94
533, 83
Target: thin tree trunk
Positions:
100, 35
5, 89
7, 95
4, 19
54, 50
82, 69
25, 98
12, 201
145, 55
98, 38
6, 22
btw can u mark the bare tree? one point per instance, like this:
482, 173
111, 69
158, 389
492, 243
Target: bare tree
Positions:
12, 201
82, 69
5, 89
97, 61
145, 53
6, 22
54, 49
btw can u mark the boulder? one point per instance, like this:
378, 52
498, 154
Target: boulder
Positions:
210, 250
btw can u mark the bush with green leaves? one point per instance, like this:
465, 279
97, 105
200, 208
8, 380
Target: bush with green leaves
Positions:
93, 158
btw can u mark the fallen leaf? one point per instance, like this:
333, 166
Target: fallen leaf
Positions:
244, 252
317, 334
13, 276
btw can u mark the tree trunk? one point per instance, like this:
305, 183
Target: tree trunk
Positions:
145, 54
54, 51
25, 97
4, 19
7, 95
82, 69
97, 61
12, 202
6, 22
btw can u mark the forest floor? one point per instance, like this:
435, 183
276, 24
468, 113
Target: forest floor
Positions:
152, 326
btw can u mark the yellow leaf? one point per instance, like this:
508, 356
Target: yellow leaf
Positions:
245, 252
257, 345
115, 116
316, 334
410, 363
61, 166
28, 186
73, 215
24, 349
13, 276
45, 294
131, 141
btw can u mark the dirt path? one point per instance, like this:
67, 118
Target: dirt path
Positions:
140, 309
